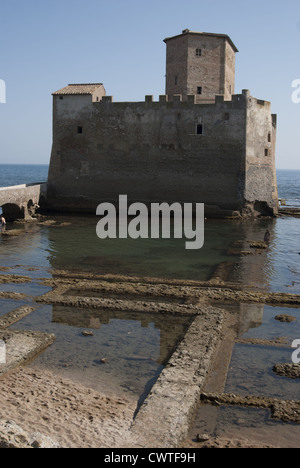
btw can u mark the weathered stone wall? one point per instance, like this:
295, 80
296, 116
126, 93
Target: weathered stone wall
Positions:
176, 63
149, 151
229, 81
261, 182
213, 70
154, 151
20, 201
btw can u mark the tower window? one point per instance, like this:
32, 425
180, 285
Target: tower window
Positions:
79, 130
176, 80
198, 52
199, 90
199, 129
269, 137
266, 152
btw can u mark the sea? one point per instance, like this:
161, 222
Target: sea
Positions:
134, 344
18, 174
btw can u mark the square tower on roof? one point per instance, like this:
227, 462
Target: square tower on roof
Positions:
202, 64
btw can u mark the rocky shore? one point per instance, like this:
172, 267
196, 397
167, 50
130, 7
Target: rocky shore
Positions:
41, 410
67, 414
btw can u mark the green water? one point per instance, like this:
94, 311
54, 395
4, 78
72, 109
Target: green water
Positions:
77, 247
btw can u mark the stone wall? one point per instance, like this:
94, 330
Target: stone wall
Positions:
21, 201
212, 69
160, 151
261, 181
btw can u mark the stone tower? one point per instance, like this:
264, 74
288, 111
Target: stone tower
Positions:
202, 64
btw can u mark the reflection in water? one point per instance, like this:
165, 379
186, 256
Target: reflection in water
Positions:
168, 329
134, 346
251, 373
141, 257
268, 328
77, 247
251, 367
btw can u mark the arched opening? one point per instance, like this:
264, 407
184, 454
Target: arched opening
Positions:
263, 208
11, 212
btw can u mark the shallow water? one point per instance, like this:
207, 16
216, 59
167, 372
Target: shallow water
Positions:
135, 346
245, 423
251, 372
9, 305
78, 247
264, 326
251, 367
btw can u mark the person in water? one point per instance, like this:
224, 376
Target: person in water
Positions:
267, 236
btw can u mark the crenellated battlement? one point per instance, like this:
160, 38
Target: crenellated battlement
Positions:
177, 101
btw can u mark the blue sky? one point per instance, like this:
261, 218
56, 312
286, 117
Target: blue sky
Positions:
46, 44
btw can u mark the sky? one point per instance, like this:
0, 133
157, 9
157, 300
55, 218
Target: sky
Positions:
47, 44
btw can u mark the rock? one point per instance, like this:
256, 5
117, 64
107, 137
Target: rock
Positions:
285, 318
49, 222
40, 441
13, 233
100, 362
202, 438
13, 436
258, 245
291, 371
